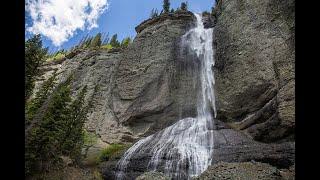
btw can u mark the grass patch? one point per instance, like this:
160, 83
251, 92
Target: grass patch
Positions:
57, 57
112, 151
89, 138
107, 47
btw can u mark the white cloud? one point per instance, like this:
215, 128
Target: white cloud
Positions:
59, 19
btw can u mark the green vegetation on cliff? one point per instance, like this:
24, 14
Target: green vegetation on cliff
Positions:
34, 57
113, 150
56, 126
166, 6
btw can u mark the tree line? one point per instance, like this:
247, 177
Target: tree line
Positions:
54, 119
166, 9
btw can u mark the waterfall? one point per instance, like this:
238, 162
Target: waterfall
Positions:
184, 149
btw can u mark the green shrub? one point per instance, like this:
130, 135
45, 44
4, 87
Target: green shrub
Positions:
125, 42
112, 151
89, 138
57, 57
107, 47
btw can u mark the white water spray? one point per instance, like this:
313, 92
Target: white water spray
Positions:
185, 147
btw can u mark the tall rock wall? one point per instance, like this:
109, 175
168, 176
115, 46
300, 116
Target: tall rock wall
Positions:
152, 79
254, 71
138, 90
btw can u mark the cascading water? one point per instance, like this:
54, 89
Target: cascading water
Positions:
184, 149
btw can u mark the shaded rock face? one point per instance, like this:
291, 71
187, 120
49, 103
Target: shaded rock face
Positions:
94, 69
254, 68
152, 77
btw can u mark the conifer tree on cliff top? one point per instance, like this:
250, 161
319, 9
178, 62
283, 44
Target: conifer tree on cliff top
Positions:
166, 6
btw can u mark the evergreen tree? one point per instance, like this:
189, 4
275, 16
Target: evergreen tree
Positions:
43, 141
166, 6
34, 57
125, 42
105, 39
34, 104
73, 138
154, 13
184, 6
114, 41
88, 42
96, 41
83, 42
59, 131
172, 10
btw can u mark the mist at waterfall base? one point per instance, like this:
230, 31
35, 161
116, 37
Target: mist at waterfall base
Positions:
184, 149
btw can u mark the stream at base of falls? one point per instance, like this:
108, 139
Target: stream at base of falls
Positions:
184, 149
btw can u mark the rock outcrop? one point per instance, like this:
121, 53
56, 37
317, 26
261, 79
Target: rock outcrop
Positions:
152, 79
254, 70
152, 176
244, 171
138, 90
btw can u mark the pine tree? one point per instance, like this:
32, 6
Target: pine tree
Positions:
105, 39
88, 42
184, 6
166, 6
96, 41
73, 138
154, 13
172, 10
125, 42
34, 57
43, 141
114, 41
59, 130
34, 104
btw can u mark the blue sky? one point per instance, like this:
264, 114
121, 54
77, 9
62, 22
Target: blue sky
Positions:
112, 16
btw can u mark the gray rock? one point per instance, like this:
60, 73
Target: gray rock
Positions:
94, 69
255, 48
153, 78
152, 176
229, 146
241, 171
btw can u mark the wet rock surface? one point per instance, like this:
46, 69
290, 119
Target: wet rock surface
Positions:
229, 146
152, 78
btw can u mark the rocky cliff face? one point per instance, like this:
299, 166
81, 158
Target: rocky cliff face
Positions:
152, 80
139, 90
147, 87
255, 55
